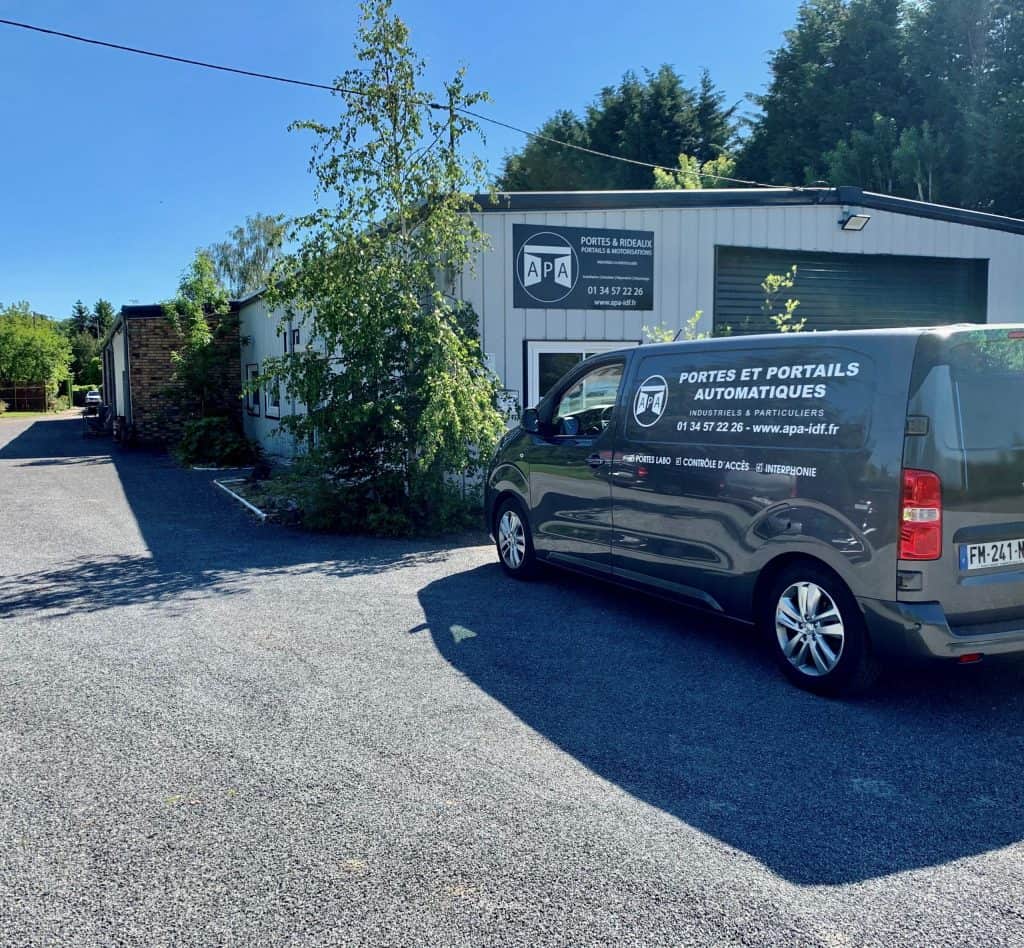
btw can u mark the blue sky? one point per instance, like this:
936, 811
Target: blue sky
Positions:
115, 168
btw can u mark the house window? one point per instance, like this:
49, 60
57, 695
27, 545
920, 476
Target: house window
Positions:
252, 391
295, 339
272, 398
547, 362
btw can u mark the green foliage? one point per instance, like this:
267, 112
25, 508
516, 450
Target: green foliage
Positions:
244, 261
85, 348
81, 318
689, 332
398, 398
784, 318
32, 347
693, 176
102, 317
213, 441
201, 317
922, 99
304, 495
650, 119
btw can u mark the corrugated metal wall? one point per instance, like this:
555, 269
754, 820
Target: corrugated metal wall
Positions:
686, 243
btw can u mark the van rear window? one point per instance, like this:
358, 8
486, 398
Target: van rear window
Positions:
988, 380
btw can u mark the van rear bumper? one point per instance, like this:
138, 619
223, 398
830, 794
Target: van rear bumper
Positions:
920, 630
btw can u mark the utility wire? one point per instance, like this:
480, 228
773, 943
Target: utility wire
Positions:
319, 85
600, 154
176, 59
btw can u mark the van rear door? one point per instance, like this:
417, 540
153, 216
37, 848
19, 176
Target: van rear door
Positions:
966, 424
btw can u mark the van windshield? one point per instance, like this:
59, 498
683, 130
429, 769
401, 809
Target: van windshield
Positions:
988, 379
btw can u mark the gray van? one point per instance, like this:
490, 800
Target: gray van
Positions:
857, 495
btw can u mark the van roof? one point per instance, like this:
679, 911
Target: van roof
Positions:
837, 335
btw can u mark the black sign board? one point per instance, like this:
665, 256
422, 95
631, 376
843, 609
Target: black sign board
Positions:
582, 268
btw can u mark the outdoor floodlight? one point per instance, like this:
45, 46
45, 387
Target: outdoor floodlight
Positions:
854, 221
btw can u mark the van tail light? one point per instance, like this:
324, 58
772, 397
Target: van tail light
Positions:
921, 516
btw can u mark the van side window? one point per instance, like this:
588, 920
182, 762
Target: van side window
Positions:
585, 409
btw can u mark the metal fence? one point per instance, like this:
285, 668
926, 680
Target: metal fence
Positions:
25, 397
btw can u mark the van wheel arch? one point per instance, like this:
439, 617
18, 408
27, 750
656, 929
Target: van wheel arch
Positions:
774, 567
499, 500
858, 667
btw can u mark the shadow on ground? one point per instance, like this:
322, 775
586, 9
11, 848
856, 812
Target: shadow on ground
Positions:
198, 542
683, 712
688, 714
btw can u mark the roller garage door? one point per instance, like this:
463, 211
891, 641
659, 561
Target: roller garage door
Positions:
850, 291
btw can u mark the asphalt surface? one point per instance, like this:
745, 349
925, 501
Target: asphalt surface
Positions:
214, 732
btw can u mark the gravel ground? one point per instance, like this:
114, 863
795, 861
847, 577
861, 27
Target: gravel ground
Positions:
214, 732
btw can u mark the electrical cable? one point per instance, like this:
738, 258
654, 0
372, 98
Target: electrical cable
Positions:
601, 154
318, 85
176, 59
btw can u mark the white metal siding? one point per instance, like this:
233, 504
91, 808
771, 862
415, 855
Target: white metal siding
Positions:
260, 341
684, 266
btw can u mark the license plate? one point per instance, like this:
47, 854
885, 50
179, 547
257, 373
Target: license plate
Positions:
987, 555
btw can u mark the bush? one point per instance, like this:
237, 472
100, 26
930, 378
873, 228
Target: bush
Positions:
59, 403
213, 441
3, 406
317, 500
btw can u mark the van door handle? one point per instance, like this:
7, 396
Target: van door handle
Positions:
595, 460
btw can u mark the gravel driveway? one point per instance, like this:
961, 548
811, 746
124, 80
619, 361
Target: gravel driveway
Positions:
215, 732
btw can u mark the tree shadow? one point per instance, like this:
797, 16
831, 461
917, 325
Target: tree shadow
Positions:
687, 713
198, 542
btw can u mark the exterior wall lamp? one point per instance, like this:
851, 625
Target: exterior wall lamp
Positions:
854, 222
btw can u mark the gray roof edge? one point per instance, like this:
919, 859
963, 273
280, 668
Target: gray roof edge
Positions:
514, 201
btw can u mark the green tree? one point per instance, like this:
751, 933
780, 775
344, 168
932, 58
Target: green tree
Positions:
397, 397
781, 313
102, 317
650, 119
84, 348
920, 159
542, 165
716, 124
203, 321
867, 158
32, 348
693, 176
839, 67
81, 318
244, 261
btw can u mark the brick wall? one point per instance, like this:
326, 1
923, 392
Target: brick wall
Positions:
156, 415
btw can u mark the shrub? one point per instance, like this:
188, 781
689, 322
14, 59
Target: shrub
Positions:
308, 495
213, 441
3, 406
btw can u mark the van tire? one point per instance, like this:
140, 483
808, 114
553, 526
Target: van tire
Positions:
805, 612
514, 540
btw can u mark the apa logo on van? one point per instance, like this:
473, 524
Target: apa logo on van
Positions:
650, 401
547, 267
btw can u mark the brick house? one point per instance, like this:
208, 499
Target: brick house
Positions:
137, 368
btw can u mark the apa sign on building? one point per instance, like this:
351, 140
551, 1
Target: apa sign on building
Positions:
582, 268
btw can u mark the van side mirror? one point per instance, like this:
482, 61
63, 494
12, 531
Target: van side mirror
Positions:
530, 421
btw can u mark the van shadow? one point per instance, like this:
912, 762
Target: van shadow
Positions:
198, 543
687, 714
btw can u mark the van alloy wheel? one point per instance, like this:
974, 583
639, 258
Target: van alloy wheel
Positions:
809, 628
511, 539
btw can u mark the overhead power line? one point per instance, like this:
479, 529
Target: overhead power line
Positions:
537, 136
602, 154
174, 59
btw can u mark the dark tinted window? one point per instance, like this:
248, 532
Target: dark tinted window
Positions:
988, 380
